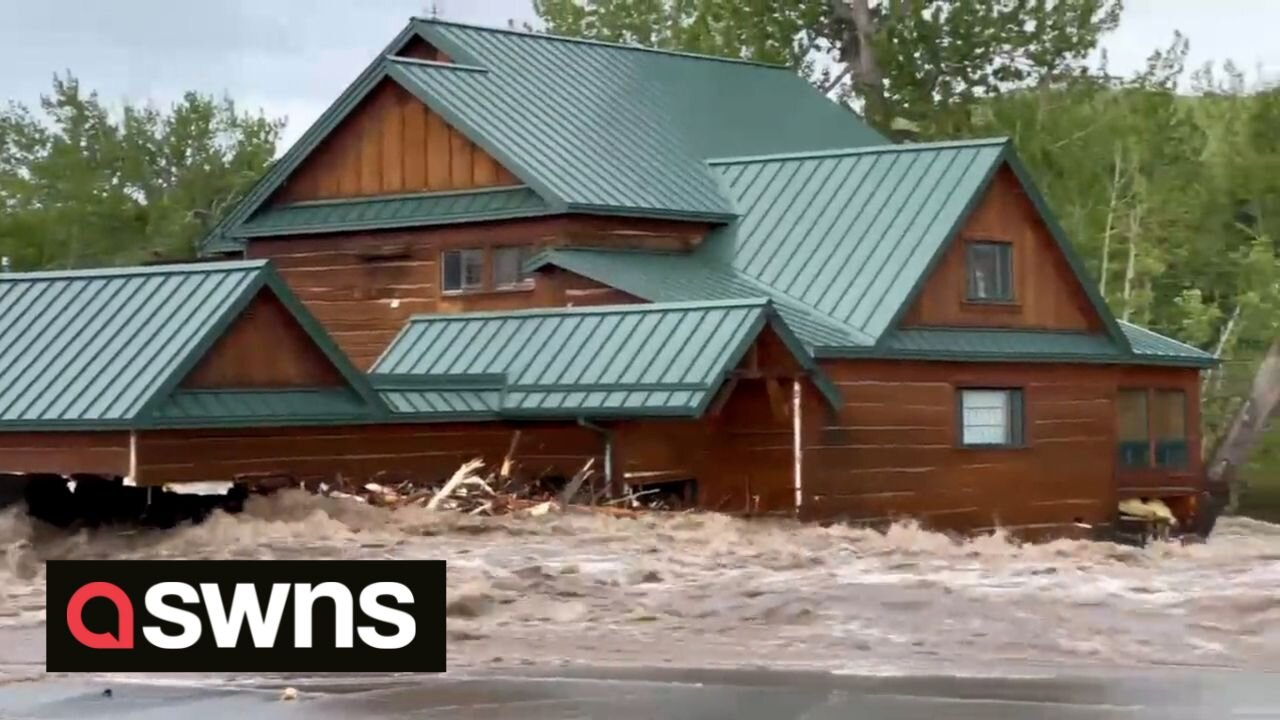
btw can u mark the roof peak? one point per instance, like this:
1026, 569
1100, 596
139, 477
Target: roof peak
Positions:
863, 150
638, 308
131, 270
602, 43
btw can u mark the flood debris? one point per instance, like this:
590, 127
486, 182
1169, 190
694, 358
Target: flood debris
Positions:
505, 489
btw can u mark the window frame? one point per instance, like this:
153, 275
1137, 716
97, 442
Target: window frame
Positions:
524, 281
463, 288
488, 270
1017, 417
1152, 456
1005, 249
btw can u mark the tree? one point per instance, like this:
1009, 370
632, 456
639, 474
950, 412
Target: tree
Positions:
80, 185
909, 63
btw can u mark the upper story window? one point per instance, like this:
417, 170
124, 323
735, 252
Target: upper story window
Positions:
508, 267
462, 270
1152, 428
989, 268
485, 269
990, 417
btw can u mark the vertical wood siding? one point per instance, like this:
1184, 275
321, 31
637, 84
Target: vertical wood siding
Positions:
264, 348
391, 143
1046, 294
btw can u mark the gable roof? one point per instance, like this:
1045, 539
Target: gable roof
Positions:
104, 349
589, 126
666, 360
843, 242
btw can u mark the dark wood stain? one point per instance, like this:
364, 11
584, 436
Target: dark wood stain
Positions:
65, 453
264, 348
391, 143
1046, 293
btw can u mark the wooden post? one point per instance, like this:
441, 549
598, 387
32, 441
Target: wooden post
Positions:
797, 392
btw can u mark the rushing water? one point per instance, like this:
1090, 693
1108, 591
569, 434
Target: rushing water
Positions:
709, 590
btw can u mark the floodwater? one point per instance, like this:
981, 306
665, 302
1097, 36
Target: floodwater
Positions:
709, 591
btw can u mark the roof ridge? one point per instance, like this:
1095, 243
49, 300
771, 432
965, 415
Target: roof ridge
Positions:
595, 309
863, 150
131, 270
602, 43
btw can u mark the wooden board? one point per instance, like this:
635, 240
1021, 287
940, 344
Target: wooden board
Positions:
264, 348
1046, 293
65, 453
364, 286
391, 143
892, 450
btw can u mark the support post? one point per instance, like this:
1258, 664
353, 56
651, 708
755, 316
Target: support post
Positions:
797, 440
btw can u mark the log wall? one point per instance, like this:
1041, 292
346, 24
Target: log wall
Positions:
893, 449
65, 453
363, 287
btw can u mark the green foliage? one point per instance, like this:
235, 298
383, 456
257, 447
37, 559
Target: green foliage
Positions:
80, 185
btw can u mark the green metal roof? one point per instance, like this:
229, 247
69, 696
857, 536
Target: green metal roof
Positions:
591, 127
305, 406
669, 277
103, 349
1151, 346
664, 359
394, 211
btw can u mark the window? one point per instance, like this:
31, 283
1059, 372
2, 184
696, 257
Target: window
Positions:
508, 267
1134, 428
990, 272
1169, 421
990, 418
461, 270
1152, 428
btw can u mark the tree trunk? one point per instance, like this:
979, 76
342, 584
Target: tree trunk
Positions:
858, 52
1111, 218
1246, 428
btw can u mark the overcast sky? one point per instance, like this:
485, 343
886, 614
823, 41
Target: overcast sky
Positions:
293, 57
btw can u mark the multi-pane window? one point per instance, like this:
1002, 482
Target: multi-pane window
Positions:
990, 271
1134, 427
990, 417
1152, 428
461, 270
508, 267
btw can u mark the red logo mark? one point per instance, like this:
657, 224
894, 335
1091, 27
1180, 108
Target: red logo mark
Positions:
123, 639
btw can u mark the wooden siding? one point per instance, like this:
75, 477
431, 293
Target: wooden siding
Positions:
391, 143
65, 453
383, 453
364, 286
1046, 293
420, 49
264, 348
893, 449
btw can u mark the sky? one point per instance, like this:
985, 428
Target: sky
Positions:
291, 58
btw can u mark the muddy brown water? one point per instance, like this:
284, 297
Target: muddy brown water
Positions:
704, 590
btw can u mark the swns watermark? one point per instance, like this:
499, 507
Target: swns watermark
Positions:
246, 616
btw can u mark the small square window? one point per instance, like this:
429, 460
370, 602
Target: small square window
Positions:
508, 267
461, 270
990, 418
990, 272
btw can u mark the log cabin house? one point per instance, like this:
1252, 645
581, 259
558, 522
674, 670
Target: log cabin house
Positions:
699, 270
